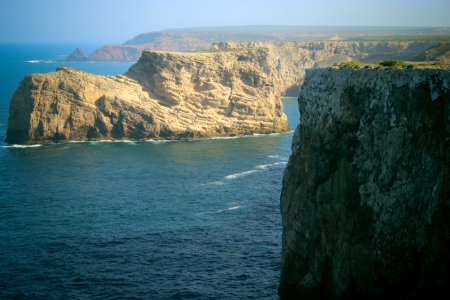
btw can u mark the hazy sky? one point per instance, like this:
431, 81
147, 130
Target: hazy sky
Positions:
115, 21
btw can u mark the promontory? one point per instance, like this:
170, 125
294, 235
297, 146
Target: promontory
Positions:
163, 96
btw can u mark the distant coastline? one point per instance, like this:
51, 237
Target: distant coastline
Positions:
201, 38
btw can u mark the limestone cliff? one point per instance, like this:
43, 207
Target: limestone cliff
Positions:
292, 59
365, 199
164, 96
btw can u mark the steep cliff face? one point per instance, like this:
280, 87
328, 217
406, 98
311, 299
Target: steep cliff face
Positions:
292, 59
365, 199
165, 95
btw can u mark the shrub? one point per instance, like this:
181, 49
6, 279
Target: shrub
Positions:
393, 63
439, 64
355, 64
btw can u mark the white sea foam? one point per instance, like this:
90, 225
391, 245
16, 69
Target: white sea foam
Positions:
239, 175
242, 136
121, 141
257, 169
38, 61
95, 142
263, 167
217, 182
158, 141
228, 209
233, 208
220, 210
22, 146
169, 141
278, 157
223, 138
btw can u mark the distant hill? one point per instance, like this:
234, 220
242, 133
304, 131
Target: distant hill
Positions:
191, 39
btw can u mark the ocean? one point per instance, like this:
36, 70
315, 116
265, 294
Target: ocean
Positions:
136, 220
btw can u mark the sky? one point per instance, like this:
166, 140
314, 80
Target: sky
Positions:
113, 21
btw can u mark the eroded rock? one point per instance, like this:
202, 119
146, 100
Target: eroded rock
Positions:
164, 96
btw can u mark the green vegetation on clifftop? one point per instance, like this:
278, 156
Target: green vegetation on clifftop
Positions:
393, 64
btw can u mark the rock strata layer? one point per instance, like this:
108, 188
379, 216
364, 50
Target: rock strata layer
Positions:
164, 96
365, 199
292, 59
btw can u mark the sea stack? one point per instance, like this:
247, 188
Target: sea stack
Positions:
365, 198
77, 55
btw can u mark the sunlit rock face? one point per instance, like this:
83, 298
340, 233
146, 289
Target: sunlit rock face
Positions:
164, 96
233, 89
292, 59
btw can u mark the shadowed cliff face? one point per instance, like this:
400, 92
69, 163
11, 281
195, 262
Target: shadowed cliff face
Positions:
365, 199
164, 96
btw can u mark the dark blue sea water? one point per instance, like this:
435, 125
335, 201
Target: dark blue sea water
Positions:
151, 220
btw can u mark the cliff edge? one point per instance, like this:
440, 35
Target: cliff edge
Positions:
164, 96
365, 199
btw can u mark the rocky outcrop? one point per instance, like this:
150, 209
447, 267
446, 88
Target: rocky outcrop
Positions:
77, 55
365, 199
164, 96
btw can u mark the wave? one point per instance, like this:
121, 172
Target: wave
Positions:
132, 142
117, 141
230, 208
279, 157
254, 135
38, 61
239, 175
159, 141
217, 182
22, 146
220, 210
104, 141
258, 168
94, 142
